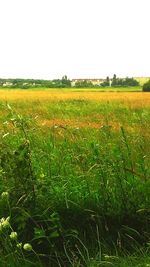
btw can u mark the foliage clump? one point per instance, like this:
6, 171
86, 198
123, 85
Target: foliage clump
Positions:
146, 87
120, 82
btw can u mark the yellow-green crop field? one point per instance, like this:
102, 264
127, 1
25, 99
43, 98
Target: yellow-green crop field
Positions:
75, 178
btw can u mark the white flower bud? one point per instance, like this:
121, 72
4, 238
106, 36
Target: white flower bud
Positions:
19, 245
27, 247
5, 224
13, 236
5, 195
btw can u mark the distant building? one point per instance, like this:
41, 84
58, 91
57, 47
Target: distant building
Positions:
93, 81
7, 84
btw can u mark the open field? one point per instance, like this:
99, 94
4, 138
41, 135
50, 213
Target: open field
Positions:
66, 94
98, 89
76, 166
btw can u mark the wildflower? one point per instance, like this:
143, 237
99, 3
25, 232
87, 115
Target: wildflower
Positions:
2, 220
13, 236
4, 223
42, 175
27, 247
107, 257
5, 195
19, 245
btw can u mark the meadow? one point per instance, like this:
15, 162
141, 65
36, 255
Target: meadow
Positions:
75, 178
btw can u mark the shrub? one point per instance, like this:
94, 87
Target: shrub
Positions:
146, 87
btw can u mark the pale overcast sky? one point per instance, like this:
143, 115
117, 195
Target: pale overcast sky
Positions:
80, 38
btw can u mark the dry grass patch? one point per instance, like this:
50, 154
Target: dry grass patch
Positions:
138, 99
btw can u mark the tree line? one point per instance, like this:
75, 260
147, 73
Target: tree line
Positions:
35, 83
64, 82
120, 82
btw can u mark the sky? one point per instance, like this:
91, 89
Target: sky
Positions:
47, 39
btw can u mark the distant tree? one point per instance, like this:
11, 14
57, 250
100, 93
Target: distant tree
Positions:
121, 82
65, 81
130, 82
24, 86
2, 81
146, 87
106, 82
64, 77
114, 80
107, 79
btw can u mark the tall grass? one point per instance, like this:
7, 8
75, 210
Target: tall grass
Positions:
77, 174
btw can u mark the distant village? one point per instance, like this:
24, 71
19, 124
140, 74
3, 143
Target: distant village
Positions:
33, 82
65, 82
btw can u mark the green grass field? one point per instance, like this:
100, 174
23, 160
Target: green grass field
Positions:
76, 166
98, 89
